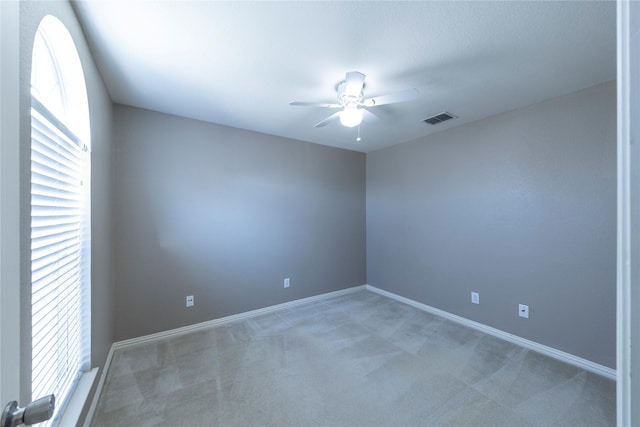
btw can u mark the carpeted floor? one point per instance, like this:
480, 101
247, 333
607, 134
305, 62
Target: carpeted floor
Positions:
355, 360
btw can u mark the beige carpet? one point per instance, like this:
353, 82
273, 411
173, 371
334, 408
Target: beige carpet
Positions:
355, 360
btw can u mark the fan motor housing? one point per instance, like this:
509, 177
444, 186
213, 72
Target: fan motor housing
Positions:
348, 100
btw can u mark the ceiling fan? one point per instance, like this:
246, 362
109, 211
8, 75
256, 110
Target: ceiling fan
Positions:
353, 105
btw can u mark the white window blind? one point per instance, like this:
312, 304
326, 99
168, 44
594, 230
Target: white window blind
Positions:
60, 257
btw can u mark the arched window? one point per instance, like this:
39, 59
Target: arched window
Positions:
60, 216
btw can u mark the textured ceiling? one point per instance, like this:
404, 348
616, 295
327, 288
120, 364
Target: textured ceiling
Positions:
240, 63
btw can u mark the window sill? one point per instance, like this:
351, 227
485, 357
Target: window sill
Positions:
72, 413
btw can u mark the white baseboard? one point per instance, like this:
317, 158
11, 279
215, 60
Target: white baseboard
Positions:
215, 322
531, 345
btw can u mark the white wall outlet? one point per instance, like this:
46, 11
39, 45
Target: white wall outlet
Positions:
523, 311
190, 301
475, 297
286, 282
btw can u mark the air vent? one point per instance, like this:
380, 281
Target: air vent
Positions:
439, 118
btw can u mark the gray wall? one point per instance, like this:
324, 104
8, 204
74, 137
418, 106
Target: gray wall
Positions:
520, 207
100, 108
226, 214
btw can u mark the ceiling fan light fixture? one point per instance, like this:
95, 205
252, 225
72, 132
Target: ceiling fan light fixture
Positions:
351, 97
351, 116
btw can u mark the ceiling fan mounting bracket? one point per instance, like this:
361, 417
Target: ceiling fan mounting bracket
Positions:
348, 100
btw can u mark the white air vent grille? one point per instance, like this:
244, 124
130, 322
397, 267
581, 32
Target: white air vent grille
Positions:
439, 118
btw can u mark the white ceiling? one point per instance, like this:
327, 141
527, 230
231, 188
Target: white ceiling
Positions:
240, 63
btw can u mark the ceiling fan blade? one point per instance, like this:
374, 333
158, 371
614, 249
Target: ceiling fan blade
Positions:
369, 117
326, 121
392, 98
354, 83
313, 104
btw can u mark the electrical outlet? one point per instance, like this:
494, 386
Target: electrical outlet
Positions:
286, 282
190, 301
475, 297
523, 311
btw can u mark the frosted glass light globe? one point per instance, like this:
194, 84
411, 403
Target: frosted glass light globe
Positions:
351, 116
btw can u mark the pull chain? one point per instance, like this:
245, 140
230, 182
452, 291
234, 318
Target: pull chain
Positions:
358, 138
